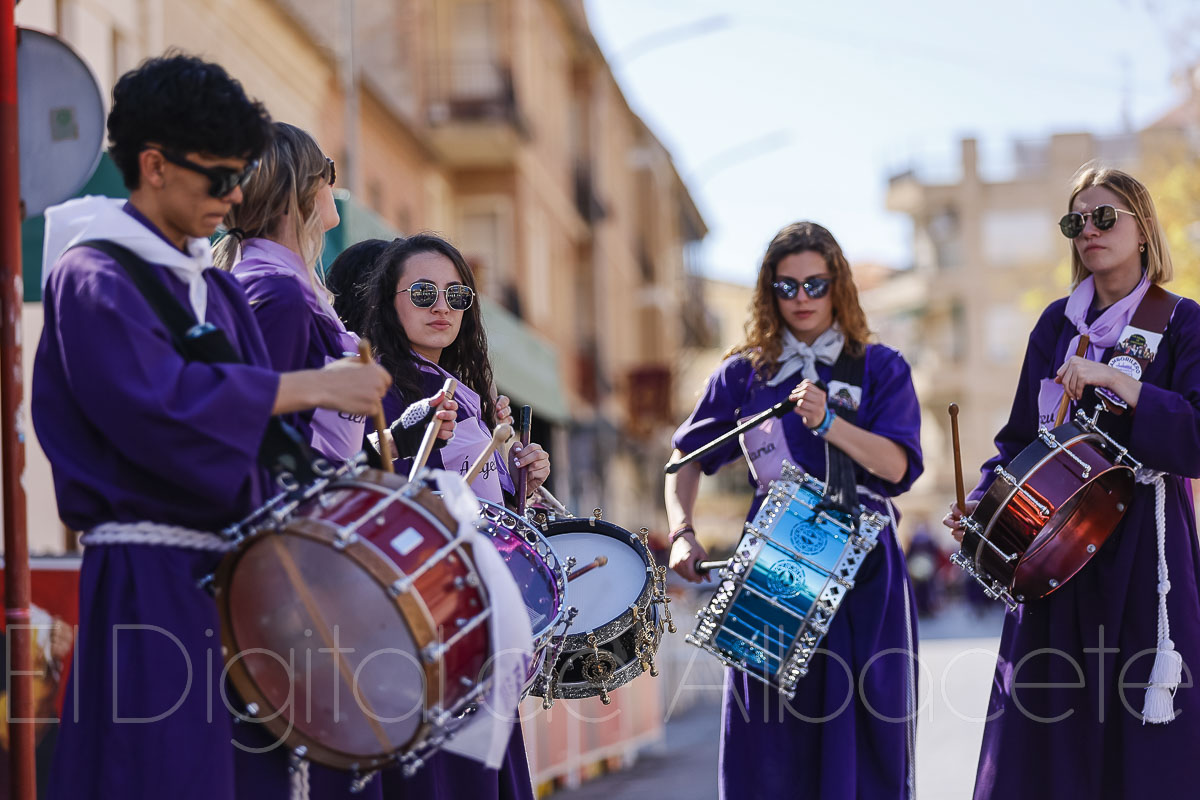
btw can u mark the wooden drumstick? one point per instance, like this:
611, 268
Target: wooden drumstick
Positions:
599, 561
499, 436
960, 494
385, 449
1066, 401
523, 473
431, 431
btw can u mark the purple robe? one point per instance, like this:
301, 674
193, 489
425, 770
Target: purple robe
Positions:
300, 332
447, 776
133, 432
1103, 621
840, 738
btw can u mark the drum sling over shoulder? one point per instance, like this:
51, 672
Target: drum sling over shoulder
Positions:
841, 487
282, 451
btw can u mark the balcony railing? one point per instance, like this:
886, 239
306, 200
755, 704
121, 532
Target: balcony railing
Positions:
471, 90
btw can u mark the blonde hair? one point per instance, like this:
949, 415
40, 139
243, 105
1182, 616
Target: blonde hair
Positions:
290, 173
764, 329
1156, 258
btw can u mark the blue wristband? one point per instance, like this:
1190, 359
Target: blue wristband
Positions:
823, 428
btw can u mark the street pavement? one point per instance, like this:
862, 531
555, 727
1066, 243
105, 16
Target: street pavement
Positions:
957, 651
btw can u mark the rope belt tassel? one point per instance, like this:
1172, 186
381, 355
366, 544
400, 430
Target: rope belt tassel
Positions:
1159, 706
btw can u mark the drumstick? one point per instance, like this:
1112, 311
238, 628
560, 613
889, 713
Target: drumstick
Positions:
523, 474
431, 431
385, 450
599, 562
499, 436
1066, 401
701, 567
959, 494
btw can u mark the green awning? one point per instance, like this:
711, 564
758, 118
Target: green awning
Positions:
525, 364
106, 180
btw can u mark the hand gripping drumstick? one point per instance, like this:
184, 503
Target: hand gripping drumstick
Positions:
385, 449
1066, 401
959, 494
499, 436
431, 431
523, 475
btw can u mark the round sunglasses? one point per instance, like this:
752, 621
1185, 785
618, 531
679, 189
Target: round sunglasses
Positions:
1103, 217
424, 294
789, 288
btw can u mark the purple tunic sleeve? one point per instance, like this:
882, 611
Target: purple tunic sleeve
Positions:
283, 317
893, 413
1171, 416
114, 389
716, 413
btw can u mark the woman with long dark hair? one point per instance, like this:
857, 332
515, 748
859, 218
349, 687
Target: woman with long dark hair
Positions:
425, 320
849, 732
1084, 669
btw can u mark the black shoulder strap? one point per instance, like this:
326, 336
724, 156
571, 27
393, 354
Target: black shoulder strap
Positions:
841, 486
282, 449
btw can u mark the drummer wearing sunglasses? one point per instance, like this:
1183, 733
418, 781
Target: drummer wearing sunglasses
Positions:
422, 313
154, 451
807, 328
1082, 670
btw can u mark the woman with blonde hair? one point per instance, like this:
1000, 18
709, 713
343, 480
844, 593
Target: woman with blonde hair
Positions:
1082, 670
273, 247
849, 731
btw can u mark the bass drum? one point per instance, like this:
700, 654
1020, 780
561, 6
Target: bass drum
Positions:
354, 622
620, 609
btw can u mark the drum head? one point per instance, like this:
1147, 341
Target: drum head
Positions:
324, 646
605, 593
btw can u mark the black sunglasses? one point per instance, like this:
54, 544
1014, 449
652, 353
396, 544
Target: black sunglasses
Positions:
424, 294
815, 288
330, 173
1103, 217
222, 180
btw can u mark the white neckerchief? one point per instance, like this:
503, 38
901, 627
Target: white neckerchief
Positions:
802, 357
96, 217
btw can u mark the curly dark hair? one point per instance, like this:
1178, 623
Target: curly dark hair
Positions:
348, 279
186, 104
467, 358
764, 328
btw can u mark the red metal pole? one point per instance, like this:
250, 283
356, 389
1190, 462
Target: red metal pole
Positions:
22, 780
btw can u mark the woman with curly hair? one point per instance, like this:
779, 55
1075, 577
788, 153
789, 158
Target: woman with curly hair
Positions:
849, 732
425, 321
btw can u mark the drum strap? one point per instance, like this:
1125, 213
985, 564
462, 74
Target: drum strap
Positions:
282, 450
1139, 342
843, 396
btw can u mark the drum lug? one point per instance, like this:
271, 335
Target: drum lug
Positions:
207, 584
343, 540
296, 758
459, 582
360, 782
252, 709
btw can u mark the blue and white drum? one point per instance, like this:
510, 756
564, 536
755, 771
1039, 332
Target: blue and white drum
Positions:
791, 570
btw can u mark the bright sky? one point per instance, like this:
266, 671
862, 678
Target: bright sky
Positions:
779, 110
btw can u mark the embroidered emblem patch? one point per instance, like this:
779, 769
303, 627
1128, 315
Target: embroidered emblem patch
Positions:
843, 395
807, 538
1137, 343
786, 579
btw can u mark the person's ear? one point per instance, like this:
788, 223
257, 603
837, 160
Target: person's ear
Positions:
152, 168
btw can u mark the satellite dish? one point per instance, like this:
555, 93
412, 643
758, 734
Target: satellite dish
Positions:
61, 119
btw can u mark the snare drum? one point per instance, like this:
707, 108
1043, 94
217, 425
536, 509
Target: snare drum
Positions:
621, 609
354, 622
1048, 512
786, 581
540, 576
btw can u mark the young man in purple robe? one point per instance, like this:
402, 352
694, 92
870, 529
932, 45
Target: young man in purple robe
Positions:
849, 732
152, 454
1088, 698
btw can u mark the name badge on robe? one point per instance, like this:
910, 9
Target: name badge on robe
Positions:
844, 395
